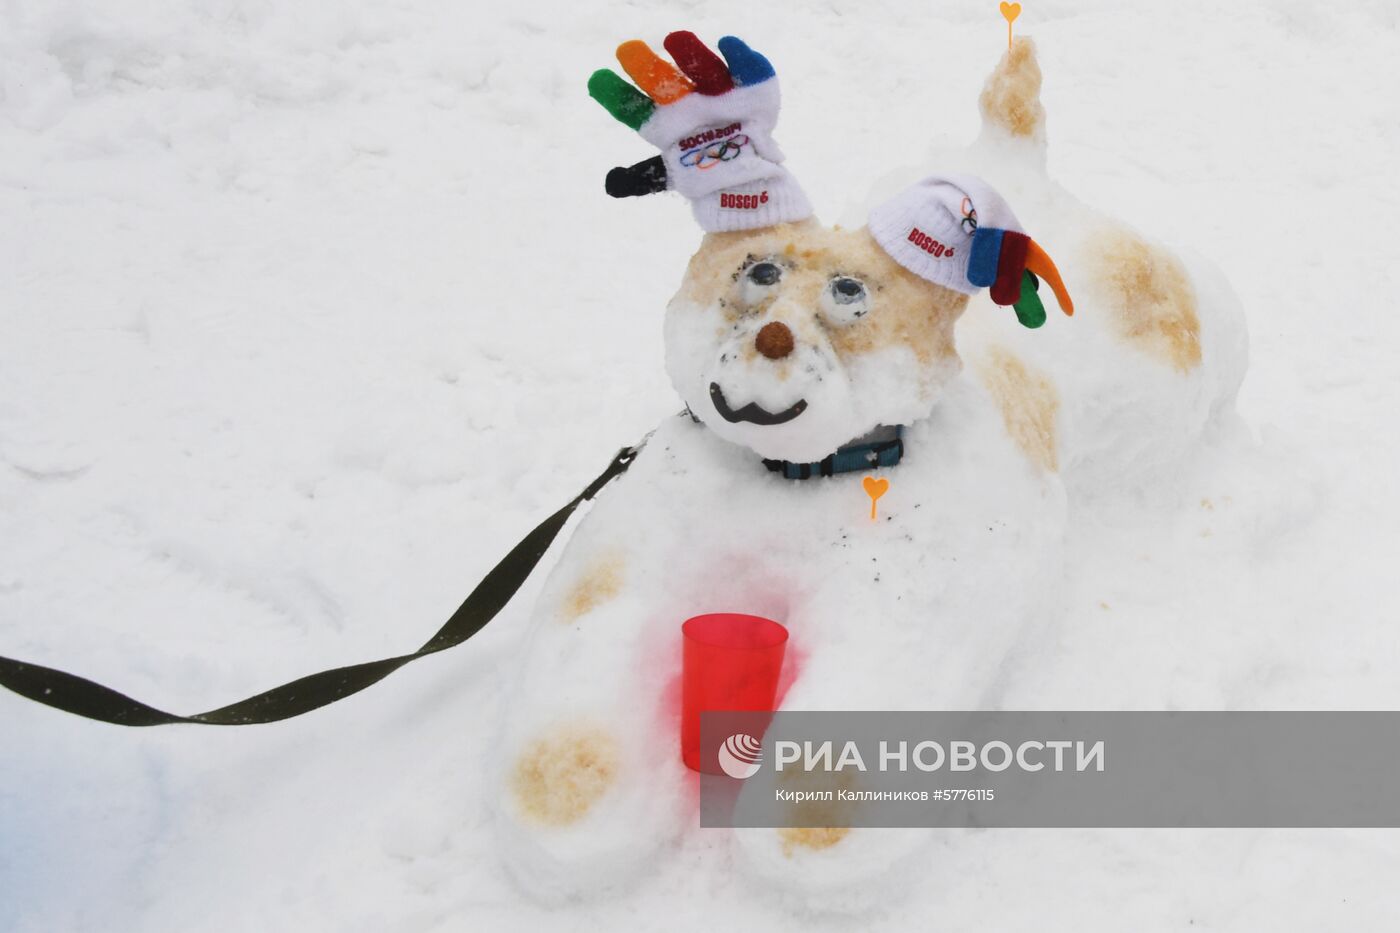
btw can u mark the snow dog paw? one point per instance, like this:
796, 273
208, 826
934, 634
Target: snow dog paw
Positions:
560, 776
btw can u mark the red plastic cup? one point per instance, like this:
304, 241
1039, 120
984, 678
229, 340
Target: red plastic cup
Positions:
731, 662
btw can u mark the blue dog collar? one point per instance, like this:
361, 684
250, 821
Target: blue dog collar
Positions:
882, 447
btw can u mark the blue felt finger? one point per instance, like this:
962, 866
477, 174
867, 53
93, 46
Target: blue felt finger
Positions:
745, 65
982, 262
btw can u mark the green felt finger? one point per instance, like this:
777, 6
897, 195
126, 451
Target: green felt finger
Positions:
626, 103
1029, 310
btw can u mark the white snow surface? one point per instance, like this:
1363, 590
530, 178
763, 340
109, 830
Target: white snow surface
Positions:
310, 311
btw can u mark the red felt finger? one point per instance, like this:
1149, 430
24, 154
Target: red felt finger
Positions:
702, 66
1006, 290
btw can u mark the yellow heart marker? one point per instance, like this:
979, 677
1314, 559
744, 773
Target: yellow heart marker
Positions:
874, 488
1010, 11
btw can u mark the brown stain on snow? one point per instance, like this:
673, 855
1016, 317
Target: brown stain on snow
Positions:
816, 838
813, 838
599, 584
559, 777
1150, 296
1029, 404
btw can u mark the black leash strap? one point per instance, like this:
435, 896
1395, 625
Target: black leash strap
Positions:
82, 697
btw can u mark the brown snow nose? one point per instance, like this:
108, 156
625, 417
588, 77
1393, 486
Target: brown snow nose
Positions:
774, 340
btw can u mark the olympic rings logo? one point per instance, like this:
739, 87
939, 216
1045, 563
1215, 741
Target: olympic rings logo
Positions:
969, 221
707, 157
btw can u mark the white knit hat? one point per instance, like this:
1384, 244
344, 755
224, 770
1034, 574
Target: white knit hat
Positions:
928, 228
955, 231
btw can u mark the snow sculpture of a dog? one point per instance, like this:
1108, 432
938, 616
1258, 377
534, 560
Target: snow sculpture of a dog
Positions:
920, 609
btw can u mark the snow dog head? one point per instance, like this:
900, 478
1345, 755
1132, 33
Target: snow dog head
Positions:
793, 340
787, 337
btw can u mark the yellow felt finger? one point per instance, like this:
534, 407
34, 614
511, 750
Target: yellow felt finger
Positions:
660, 79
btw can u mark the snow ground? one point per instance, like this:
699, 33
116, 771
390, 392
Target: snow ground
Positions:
311, 311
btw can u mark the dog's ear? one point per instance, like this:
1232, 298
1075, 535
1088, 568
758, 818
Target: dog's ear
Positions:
956, 231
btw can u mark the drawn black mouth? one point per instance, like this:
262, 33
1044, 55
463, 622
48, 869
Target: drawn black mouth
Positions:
751, 412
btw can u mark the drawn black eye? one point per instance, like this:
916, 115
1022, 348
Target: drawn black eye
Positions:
765, 273
847, 291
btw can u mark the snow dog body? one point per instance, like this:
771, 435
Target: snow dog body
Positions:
789, 342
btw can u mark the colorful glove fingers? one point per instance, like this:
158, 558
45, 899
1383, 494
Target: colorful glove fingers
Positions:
713, 121
1012, 264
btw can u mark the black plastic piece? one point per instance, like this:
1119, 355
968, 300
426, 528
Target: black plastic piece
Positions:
635, 181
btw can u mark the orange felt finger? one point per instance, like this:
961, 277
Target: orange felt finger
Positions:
1039, 262
653, 74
